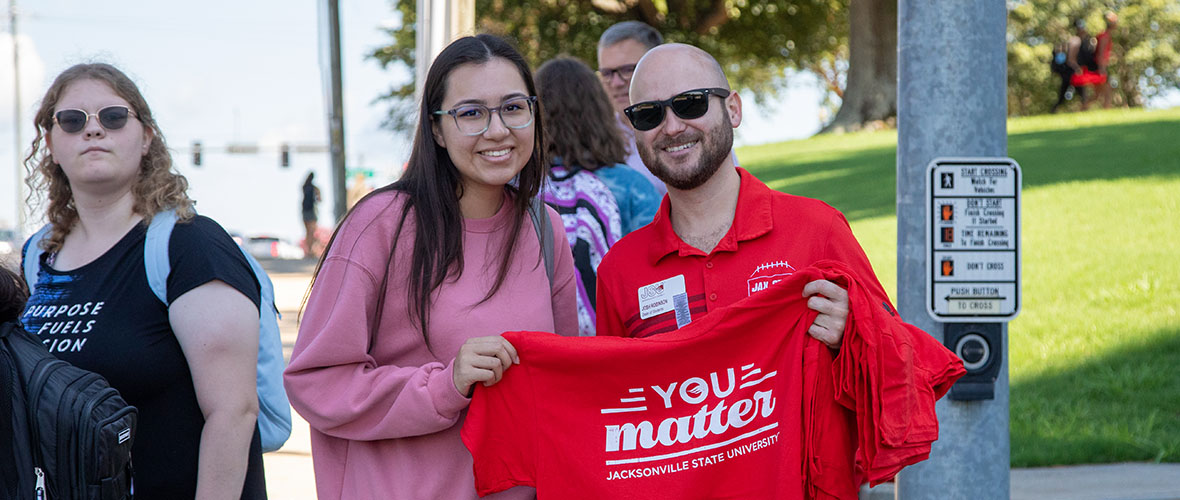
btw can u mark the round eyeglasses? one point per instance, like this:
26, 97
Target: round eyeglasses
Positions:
474, 119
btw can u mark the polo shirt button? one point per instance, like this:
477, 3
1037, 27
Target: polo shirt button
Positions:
712, 296
708, 265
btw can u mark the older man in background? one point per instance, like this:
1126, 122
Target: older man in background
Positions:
619, 49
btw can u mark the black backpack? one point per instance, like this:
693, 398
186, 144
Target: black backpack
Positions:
1057, 63
71, 431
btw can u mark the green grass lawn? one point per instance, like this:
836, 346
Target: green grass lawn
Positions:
1095, 353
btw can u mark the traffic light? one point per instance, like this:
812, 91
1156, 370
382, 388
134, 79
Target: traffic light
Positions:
284, 155
196, 153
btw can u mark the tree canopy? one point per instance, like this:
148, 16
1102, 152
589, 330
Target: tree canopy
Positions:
755, 40
1145, 54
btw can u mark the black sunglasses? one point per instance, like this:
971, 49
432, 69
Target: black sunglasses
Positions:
687, 105
73, 121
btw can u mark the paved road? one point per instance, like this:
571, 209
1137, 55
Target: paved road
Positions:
289, 473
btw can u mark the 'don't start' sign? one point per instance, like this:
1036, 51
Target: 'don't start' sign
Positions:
973, 239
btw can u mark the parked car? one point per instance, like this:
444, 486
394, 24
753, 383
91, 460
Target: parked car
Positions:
8, 243
270, 247
9, 248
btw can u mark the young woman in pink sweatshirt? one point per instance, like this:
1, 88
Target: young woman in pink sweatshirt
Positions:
419, 281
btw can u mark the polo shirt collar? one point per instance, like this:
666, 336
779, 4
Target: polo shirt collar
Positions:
752, 218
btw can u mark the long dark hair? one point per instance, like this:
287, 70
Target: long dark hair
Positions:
432, 188
583, 131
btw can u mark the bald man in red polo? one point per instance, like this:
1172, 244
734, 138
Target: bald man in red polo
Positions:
606, 421
721, 234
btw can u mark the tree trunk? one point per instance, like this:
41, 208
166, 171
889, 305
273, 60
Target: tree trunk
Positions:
871, 94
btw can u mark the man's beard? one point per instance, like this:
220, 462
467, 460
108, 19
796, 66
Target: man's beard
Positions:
715, 146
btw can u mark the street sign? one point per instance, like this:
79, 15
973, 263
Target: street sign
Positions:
353, 171
241, 148
973, 239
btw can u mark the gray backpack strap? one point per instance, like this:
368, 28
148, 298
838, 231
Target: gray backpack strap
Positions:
31, 257
541, 223
155, 253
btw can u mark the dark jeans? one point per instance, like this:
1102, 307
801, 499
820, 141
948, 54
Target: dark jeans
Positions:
1065, 84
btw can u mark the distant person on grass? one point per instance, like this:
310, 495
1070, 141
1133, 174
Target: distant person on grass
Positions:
1102, 57
1082, 59
1060, 68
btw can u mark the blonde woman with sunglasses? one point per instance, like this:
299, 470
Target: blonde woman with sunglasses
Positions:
100, 161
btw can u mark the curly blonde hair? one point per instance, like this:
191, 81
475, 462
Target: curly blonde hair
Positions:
157, 187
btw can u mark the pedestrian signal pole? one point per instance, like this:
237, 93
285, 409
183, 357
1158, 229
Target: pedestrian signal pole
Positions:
958, 255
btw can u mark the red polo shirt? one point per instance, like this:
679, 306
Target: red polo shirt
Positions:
652, 282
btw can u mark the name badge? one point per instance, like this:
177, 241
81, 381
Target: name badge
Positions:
663, 296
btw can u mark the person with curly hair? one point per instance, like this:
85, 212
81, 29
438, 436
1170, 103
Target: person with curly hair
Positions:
100, 161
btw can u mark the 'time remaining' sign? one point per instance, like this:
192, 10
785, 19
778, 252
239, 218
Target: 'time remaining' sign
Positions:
973, 239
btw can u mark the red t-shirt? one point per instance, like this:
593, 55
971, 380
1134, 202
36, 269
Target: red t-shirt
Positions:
741, 403
652, 282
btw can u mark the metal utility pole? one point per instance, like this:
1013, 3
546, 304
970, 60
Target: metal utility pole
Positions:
439, 23
16, 132
336, 120
951, 103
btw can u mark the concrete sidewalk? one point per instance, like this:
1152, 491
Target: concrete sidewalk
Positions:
289, 474
1125, 481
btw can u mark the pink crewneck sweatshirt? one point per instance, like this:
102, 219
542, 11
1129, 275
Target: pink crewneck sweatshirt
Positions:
385, 420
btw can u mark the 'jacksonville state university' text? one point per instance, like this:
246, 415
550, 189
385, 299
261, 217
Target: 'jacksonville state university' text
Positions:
715, 420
